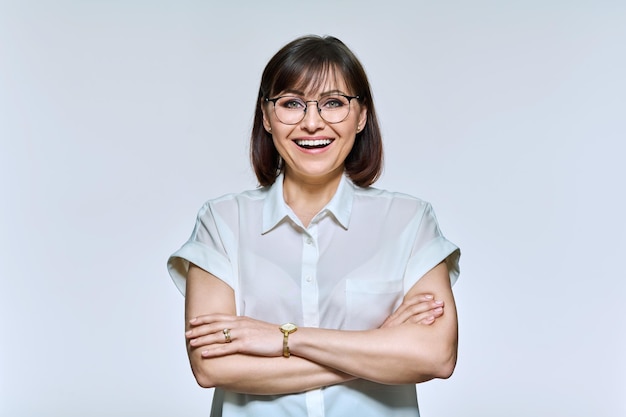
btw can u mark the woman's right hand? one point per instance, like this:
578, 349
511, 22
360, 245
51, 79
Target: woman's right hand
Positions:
420, 309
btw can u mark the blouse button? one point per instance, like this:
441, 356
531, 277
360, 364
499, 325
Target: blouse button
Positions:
309, 279
309, 241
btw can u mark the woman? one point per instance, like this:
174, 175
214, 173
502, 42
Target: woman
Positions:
316, 294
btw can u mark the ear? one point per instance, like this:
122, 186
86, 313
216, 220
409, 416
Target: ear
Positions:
362, 120
266, 122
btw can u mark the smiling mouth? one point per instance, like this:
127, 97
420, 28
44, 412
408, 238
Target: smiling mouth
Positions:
313, 144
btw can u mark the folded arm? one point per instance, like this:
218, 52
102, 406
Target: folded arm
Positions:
405, 353
240, 372
415, 344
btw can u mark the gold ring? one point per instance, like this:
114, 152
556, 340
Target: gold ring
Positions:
226, 335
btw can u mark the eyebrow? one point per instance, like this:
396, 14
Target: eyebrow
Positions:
301, 94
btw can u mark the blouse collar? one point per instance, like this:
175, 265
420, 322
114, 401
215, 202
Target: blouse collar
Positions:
275, 209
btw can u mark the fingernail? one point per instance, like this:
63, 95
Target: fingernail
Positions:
438, 310
193, 320
428, 297
188, 332
439, 302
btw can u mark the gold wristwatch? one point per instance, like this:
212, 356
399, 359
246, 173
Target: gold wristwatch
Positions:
287, 329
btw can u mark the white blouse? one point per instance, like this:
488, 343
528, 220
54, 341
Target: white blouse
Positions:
348, 270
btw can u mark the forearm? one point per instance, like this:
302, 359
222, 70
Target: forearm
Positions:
263, 375
394, 354
404, 354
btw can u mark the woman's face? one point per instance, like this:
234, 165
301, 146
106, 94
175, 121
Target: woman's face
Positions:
313, 149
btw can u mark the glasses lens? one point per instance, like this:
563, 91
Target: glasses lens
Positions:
291, 110
334, 109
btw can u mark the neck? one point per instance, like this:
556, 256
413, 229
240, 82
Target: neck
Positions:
307, 196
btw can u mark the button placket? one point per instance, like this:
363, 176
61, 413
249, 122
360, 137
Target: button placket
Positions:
309, 287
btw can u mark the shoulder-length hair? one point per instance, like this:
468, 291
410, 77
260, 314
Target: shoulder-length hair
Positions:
307, 62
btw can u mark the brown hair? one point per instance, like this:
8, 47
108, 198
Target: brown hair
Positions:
307, 62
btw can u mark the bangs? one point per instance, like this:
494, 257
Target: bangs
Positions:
317, 75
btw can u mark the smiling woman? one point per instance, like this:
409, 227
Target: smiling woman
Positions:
320, 69
304, 296
313, 145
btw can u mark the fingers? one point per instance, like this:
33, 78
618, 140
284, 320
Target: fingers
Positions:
221, 330
211, 329
221, 335
211, 323
211, 318
214, 341
210, 338
421, 309
428, 317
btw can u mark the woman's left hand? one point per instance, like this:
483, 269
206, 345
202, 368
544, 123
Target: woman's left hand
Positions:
222, 334
418, 309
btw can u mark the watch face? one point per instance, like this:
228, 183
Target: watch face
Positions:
288, 327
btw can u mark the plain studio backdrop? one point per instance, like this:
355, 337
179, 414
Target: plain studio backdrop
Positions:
118, 119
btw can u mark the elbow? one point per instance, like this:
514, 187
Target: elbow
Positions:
214, 372
204, 382
202, 370
445, 369
445, 363
202, 378
436, 366
439, 363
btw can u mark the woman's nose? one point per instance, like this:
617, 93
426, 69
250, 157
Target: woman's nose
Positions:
312, 119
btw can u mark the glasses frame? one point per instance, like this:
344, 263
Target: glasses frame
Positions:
317, 105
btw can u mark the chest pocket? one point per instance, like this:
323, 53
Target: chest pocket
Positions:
369, 303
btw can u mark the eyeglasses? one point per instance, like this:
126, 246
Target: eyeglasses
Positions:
291, 110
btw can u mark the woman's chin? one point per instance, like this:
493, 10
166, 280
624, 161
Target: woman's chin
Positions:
314, 171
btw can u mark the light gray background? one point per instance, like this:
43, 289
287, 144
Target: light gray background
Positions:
119, 118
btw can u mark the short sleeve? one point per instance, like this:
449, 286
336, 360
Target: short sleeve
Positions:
431, 248
204, 248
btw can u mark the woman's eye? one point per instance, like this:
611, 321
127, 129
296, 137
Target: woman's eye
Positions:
292, 104
333, 103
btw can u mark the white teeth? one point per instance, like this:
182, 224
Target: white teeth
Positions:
316, 142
